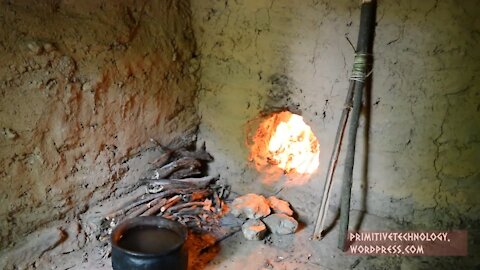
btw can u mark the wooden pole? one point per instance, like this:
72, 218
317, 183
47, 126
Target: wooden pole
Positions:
359, 74
322, 214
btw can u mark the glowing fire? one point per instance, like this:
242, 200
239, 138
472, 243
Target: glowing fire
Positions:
294, 146
284, 140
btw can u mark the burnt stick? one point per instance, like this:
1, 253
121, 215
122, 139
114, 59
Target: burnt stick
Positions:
165, 171
200, 182
184, 173
184, 205
162, 160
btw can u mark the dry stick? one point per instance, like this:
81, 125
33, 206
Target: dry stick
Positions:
184, 205
162, 160
171, 192
207, 179
171, 202
130, 205
165, 184
322, 214
364, 44
198, 154
183, 173
193, 180
192, 210
140, 210
155, 208
149, 198
165, 171
201, 182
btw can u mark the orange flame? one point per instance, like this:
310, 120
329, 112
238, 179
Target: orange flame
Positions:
285, 141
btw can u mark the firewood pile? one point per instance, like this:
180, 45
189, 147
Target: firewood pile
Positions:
178, 189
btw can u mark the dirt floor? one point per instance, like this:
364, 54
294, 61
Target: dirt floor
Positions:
289, 252
298, 251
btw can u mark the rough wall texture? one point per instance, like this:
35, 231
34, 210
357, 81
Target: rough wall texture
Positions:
83, 86
422, 137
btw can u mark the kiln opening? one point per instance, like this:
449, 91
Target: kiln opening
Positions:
284, 142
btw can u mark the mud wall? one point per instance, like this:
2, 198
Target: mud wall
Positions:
418, 145
83, 86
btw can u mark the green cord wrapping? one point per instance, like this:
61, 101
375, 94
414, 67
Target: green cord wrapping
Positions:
359, 69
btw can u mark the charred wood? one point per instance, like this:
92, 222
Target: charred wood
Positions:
184, 205
168, 169
201, 182
197, 195
184, 173
162, 160
200, 154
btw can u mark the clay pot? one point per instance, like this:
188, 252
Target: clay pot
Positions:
149, 243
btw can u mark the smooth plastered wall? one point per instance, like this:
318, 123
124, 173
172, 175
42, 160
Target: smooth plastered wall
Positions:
418, 143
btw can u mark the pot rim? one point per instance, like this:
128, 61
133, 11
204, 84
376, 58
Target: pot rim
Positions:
159, 222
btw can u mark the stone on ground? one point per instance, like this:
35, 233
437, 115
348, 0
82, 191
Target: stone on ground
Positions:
254, 229
252, 206
280, 206
281, 224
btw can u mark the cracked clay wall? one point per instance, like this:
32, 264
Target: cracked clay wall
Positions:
83, 86
423, 136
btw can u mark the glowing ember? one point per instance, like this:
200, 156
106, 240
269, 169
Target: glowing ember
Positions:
286, 141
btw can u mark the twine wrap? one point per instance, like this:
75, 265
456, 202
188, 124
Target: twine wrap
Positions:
359, 70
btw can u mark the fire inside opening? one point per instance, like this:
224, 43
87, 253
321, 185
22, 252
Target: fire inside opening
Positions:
284, 142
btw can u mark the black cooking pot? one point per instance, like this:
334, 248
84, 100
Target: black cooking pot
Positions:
150, 243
